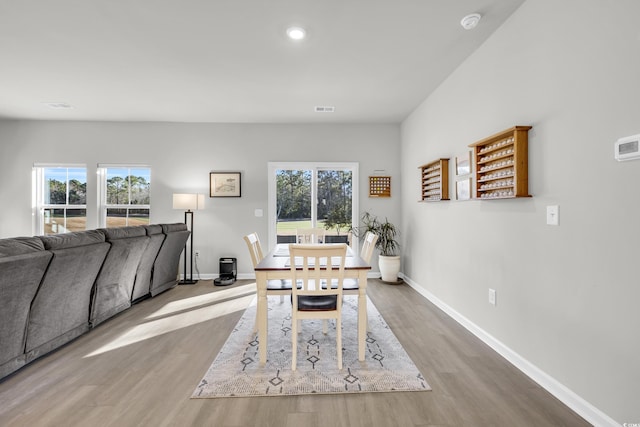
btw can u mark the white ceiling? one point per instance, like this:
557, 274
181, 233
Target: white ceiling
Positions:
229, 60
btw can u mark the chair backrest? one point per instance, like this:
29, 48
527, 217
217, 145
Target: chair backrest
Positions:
312, 265
338, 238
368, 246
310, 235
255, 250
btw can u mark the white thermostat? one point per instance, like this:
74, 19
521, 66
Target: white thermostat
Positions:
628, 148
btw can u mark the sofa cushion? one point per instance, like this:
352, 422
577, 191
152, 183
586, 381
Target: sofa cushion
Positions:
142, 285
72, 240
20, 245
60, 310
153, 229
172, 228
20, 277
123, 232
165, 268
114, 284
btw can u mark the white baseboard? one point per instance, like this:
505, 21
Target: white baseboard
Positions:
583, 408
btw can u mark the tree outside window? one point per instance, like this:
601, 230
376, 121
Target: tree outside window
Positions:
127, 196
314, 197
63, 204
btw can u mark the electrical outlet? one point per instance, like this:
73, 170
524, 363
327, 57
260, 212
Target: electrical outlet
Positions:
197, 254
492, 296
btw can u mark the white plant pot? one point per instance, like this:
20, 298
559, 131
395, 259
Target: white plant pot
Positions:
389, 267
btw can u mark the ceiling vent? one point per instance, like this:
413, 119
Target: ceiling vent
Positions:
57, 105
324, 109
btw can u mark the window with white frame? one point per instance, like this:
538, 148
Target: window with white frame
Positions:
60, 196
124, 195
311, 195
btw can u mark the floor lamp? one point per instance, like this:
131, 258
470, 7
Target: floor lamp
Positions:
188, 202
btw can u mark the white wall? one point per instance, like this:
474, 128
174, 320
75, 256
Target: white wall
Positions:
568, 296
181, 157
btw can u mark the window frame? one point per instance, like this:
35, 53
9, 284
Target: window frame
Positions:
314, 167
38, 193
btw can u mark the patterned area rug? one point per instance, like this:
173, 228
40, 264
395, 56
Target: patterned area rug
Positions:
235, 371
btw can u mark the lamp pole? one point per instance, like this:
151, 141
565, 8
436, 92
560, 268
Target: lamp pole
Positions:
188, 216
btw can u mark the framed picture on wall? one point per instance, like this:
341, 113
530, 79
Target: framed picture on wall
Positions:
224, 184
463, 164
463, 189
379, 186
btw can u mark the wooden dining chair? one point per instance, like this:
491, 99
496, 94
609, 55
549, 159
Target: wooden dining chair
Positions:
310, 235
255, 249
274, 287
339, 238
350, 286
312, 301
368, 246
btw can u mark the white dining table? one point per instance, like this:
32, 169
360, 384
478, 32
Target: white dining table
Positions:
276, 266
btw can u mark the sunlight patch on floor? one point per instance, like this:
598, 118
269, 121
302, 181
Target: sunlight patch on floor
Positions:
205, 299
173, 322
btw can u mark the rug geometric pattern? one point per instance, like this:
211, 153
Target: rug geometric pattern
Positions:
236, 372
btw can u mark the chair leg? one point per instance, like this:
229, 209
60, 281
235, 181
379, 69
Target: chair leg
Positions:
294, 343
339, 342
324, 326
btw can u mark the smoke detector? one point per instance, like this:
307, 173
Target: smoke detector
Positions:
469, 22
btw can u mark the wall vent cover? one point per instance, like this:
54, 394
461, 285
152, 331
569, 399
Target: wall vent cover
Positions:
324, 109
628, 148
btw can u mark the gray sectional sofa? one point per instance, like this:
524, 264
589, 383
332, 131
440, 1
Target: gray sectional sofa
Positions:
56, 288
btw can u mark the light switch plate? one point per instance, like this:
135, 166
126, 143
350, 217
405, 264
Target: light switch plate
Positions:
553, 215
258, 213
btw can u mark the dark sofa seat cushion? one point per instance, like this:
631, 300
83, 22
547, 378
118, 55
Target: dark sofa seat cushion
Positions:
60, 309
23, 262
114, 284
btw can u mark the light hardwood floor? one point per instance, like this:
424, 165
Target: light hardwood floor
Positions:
140, 368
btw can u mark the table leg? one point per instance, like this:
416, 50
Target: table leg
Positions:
261, 313
362, 313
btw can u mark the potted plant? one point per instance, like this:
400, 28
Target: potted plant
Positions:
388, 261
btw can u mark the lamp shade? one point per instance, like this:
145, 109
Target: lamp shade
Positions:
188, 201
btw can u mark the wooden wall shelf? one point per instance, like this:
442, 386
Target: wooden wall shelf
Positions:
502, 165
435, 181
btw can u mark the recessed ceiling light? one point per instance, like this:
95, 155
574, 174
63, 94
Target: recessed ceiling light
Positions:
296, 33
58, 105
469, 22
